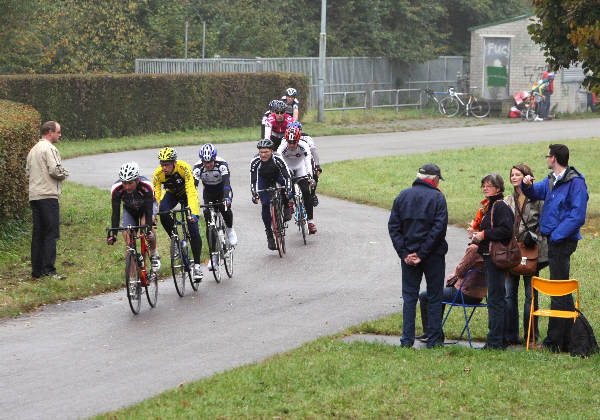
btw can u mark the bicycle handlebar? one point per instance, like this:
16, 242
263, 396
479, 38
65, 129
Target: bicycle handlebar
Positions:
185, 210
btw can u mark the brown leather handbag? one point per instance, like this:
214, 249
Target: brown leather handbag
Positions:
503, 256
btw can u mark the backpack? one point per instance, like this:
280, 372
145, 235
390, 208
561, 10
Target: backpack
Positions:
583, 342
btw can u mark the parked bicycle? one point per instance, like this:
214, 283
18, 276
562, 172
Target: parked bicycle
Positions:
431, 96
530, 106
277, 222
221, 250
181, 265
136, 274
300, 213
454, 103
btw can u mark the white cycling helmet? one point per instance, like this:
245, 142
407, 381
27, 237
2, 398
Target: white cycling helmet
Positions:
129, 171
291, 92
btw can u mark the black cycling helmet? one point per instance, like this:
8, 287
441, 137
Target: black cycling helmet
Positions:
265, 144
272, 104
279, 106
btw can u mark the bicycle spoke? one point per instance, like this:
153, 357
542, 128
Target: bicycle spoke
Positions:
132, 283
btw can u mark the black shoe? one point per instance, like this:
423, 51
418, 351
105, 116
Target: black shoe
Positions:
315, 200
422, 337
271, 241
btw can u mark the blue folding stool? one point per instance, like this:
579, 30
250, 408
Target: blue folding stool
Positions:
464, 306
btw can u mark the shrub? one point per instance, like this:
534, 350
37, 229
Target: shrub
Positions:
19, 132
116, 105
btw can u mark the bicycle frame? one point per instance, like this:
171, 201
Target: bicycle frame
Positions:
132, 247
185, 213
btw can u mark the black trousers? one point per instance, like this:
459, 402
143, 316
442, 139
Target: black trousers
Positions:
45, 234
559, 329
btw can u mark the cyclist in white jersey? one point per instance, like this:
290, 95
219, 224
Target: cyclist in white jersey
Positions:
297, 156
316, 164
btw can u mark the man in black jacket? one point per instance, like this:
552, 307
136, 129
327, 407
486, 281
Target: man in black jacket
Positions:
417, 227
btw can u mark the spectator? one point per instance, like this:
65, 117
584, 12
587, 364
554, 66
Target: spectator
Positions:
417, 227
549, 77
529, 214
502, 230
591, 101
46, 173
565, 197
474, 287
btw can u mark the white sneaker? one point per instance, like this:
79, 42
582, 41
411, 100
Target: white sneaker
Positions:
232, 236
197, 273
538, 119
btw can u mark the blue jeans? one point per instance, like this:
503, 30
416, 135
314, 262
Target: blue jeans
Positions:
496, 291
433, 267
511, 310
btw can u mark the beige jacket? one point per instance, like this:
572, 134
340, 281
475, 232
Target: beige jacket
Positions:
45, 171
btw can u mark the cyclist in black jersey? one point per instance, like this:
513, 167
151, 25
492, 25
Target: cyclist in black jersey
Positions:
139, 207
266, 170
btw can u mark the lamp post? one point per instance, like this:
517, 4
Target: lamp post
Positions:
322, 43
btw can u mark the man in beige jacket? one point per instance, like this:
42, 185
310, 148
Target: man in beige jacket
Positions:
45, 173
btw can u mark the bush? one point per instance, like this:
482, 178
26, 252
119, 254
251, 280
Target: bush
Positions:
19, 132
116, 105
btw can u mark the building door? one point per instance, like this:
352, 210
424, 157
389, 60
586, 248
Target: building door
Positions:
496, 62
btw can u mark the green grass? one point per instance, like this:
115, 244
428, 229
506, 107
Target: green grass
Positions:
90, 265
330, 379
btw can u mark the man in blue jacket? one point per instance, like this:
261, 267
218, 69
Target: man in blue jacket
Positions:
417, 227
565, 198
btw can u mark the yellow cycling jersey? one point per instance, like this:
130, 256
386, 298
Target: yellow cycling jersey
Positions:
180, 183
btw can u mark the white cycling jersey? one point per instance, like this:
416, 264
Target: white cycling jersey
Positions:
313, 149
297, 160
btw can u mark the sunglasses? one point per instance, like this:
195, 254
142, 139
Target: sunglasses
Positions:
279, 112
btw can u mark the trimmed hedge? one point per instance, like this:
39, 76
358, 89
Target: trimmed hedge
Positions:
19, 132
116, 105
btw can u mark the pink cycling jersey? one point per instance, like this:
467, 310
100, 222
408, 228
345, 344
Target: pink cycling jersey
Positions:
272, 126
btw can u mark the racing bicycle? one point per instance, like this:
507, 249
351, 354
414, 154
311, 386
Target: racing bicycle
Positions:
277, 223
181, 265
454, 102
221, 250
136, 274
431, 97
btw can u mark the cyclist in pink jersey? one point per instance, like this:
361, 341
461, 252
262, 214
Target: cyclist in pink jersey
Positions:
277, 123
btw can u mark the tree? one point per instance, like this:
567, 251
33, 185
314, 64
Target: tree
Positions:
569, 32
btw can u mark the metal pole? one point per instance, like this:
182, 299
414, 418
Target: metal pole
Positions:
186, 36
203, 37
322, 40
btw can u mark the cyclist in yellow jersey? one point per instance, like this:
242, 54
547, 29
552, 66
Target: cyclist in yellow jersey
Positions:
178, 181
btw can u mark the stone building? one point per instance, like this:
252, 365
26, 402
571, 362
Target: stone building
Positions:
505, 60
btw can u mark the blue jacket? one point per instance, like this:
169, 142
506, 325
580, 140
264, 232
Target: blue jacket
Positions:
565, 204
419, 220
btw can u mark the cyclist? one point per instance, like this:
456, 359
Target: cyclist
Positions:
316, 164
266, 170
265, 116
178, 180
139, 207
214, 174
276, 123
291, 103
297, 156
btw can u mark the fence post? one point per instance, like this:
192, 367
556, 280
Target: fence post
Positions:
397, 97
372, 102
365, 105
344, 106
420, 104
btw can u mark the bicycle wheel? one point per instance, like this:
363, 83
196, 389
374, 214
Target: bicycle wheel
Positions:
530, 114
480, 108
188, 264
151, 281
226, 249
281, 228
449, 106
301, 217
132, 283
214, 244
275, 224
178, 266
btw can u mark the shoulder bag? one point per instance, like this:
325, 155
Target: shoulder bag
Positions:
503, 256
529, 248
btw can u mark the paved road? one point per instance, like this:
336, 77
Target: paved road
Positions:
82, 358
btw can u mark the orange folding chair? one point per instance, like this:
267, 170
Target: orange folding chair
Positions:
552, 288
